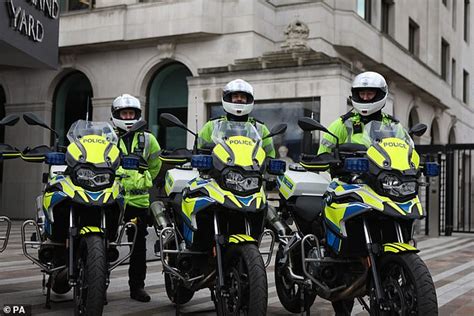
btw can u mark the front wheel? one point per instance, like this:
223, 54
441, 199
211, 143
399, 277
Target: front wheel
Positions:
89, 292
245, 282
408, 286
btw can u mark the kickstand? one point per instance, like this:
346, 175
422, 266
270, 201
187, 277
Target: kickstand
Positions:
176, 296
48, 292
307, 307
364, 304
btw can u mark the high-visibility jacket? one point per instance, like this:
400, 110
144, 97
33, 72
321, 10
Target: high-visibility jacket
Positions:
205, 134
348, 128
137, 184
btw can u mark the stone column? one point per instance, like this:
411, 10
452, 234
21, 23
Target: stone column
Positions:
101, 109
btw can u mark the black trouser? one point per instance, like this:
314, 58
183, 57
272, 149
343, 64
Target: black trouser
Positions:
137, 269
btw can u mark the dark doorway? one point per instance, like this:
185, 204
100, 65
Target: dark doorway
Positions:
168, 93
72, 101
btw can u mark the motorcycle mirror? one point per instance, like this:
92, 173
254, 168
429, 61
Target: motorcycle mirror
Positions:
10, 120
169, 120
32, 119
418, 130
308, 124
277, 130
136, 127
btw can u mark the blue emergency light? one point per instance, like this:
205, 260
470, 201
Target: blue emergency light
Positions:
431, 169
357, 165
201, 162
276, 166
55, 158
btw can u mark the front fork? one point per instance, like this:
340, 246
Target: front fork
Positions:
381, 302
219, 239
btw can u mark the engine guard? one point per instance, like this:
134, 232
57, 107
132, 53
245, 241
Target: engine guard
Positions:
4, 239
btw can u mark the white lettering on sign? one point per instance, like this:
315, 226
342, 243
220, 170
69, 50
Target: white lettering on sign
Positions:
49, 7
26, 23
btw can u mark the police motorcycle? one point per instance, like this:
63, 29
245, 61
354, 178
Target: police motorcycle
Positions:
7, 152
212, 220
79, 222
354, 235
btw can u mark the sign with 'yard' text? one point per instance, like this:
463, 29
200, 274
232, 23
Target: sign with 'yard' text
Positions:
23, 16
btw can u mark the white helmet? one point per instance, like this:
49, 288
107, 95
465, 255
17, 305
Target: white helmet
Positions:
238, 109
369, 81
125, 101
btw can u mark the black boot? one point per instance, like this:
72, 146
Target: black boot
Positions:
139, 294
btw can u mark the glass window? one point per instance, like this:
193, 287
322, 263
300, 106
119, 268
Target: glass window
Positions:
74, 5
453, 17
387, 17
453, 77
285, 111
444, 59
465, 88
467, 22
413, 37
364, 9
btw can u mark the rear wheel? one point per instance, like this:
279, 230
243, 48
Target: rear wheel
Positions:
245, 282
408, 286
89, 292
289, 291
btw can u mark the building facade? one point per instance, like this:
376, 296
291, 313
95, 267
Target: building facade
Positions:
300, 56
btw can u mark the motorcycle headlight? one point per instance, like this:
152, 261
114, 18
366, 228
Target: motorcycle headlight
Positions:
235, 181
394, 186
92, 180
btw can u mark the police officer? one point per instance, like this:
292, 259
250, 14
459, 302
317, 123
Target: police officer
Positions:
126, 111
238, 101
369, 95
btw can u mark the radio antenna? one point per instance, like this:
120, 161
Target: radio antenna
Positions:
87, 109
196, 113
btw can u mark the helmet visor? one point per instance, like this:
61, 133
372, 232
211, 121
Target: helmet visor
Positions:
127, 114
367, 95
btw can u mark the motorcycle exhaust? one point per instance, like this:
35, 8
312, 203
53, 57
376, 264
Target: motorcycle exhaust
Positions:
276, 223
59, 282
160, 220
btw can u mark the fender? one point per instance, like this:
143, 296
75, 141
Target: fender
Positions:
241, 238
397, 247
91, 230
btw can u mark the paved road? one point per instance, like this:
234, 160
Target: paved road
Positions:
450, 259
